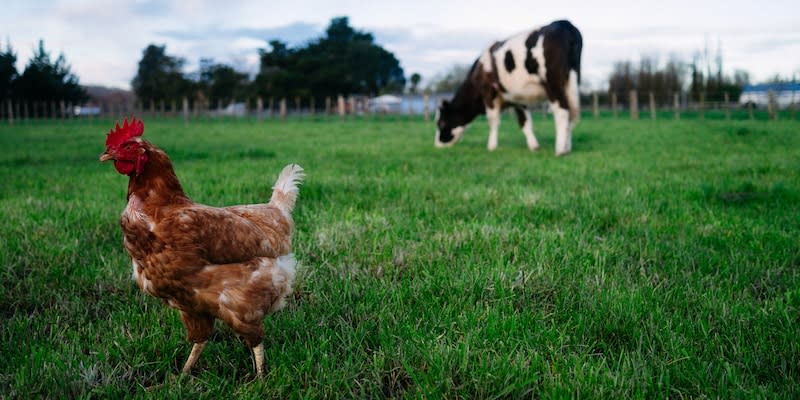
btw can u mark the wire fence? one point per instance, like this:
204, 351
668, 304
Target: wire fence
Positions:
635, 106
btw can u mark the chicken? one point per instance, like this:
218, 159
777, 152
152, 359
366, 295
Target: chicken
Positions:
232, 263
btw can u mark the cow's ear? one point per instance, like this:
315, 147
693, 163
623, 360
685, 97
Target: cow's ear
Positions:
445, 104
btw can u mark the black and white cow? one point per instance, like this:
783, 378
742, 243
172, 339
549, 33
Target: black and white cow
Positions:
523, 69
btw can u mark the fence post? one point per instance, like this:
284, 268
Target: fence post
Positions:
25, 115
727, 106
10, 109
260, 108
283, 108
340, 106
702, 105
652, 106
595, 106
352, 103
425, 107
771, 105
676, 104
185, 111
614, 105
634, 99
327, 105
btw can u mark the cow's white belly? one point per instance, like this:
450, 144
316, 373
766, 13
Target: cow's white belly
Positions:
527, 92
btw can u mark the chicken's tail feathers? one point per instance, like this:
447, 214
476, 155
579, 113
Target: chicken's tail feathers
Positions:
284, 193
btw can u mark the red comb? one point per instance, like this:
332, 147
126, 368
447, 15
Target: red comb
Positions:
122, 133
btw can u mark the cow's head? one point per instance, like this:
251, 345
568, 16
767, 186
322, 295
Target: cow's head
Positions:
450, 125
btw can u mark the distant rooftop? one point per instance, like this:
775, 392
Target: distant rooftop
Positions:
777, 87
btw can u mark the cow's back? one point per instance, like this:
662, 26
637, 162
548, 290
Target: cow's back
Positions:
534, 63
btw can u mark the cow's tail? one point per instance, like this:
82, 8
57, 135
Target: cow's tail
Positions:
575, 49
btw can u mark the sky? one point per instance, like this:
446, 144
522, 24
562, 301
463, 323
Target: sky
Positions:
103, 40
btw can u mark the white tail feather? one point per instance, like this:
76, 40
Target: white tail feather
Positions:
284, 192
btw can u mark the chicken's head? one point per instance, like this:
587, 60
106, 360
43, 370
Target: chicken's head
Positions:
125, 146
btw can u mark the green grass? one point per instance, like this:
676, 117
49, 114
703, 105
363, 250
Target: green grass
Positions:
660, 259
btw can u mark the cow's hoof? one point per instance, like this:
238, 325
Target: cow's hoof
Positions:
533, 148
491, 148
561, 154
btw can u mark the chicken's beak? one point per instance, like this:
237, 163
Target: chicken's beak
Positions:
106, 157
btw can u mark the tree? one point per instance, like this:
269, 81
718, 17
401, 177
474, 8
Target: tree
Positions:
220, 82
415, 78
344, 61
450, 80
8, 72
159, 77
46, 80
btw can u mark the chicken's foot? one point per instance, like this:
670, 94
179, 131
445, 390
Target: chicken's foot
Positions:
258, 354
193, 356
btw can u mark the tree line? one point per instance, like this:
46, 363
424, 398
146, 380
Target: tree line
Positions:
43, 80
343, 61
699, 79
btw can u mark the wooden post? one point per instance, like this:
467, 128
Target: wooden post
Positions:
772, 106
25, 115
726, 106
634, 106
53, 110
297, 107
425, 107
327, 105
614, 105
283, 108
352, 103
595, 106
185, 111
271, 107
152, 108
676, 99
260, 108
702, 106
160, 108
10, 109
340, 106
652, 106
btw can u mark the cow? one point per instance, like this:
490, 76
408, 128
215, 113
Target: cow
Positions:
516, 72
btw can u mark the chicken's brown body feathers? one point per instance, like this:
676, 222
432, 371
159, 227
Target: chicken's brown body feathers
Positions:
205, 261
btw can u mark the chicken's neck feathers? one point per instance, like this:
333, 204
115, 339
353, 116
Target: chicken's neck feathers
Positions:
157, 185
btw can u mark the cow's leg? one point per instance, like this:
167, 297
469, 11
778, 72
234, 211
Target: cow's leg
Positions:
573, 99
493, 115
561, 118
526, 123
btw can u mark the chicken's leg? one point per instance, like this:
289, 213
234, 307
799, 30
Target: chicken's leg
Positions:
258, 354
193, 356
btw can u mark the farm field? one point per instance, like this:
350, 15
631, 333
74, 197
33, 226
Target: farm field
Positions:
659, 259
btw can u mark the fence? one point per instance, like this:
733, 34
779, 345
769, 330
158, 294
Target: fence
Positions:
634, 106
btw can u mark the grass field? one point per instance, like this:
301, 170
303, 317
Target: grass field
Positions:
660, 259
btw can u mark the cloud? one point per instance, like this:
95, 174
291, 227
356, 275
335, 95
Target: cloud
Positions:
295, 33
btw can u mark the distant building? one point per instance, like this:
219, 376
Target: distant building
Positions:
786, 94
